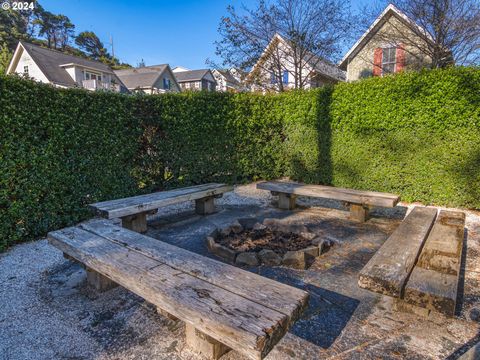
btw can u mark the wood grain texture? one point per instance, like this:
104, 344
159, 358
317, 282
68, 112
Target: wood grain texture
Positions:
432, 290
433, 283
349, 195
288, 300
137, 204
388, 270
443, 248
239, 323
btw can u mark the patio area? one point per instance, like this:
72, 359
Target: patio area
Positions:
49, 312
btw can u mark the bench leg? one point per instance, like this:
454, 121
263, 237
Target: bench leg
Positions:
286, 201
205, 206
358, 212
204, 344
137, 222
98, 281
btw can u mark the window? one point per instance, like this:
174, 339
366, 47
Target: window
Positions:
166, 83
389, 60
25, 69
273, 78
285, 76
92, 76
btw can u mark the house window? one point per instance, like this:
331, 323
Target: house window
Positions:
92, 76
389, 60
166, 83
25, 69
285, 76
273, 78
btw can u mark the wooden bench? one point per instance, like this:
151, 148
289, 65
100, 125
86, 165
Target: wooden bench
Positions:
133, 211
358, 201
419, 264
224, 307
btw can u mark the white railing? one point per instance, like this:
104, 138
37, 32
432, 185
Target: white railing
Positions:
99, 85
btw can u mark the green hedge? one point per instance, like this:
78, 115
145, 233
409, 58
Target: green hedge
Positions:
59, 150
415, 134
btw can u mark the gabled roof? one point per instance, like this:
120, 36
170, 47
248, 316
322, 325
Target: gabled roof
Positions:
144, 77
53, 63
390, 10
321, 65
191, 75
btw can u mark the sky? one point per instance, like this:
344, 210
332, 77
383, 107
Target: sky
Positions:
177, 32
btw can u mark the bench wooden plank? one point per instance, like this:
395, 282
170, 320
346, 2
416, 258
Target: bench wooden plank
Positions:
241, 324
283, 298
349, 195
443, 248
434, 280
388, 270
143, 203
432, 290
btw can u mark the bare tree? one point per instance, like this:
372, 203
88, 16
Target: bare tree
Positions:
448, 30
283, 35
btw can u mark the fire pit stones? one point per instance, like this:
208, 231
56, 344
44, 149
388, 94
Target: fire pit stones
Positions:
297, 258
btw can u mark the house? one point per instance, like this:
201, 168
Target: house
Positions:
228, 80
275, 69
154, 79
390, 45
195, 80
62, 70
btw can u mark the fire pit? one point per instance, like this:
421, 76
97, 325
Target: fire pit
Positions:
272, 242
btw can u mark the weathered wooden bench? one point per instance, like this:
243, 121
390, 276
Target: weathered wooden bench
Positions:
224, 307
133, 211
419, 264
359, 201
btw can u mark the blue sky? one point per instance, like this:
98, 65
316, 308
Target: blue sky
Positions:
180, 32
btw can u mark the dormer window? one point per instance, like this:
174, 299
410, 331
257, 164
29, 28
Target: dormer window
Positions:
92, 76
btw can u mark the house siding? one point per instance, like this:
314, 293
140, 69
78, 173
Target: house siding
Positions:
33, 69
159, 83
362, 64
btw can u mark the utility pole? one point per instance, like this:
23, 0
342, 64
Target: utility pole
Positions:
111, 44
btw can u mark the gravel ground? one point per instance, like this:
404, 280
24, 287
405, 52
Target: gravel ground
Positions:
49, 312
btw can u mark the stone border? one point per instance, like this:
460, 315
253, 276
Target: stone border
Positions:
298, 259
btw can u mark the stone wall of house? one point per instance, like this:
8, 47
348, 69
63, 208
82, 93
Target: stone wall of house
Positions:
392, 33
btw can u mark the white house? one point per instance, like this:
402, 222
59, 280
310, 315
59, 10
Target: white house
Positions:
154, 79
228, 80
275, 68
62, 70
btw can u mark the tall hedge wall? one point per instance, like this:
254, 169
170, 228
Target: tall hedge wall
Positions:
415, 134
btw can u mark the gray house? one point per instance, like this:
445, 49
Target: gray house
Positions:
154, 79
195, 80
62, 70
